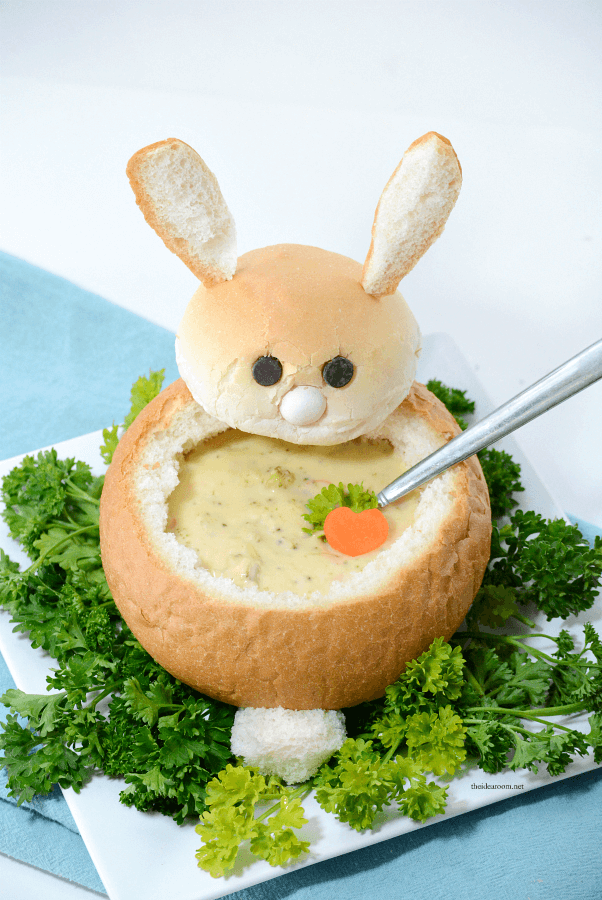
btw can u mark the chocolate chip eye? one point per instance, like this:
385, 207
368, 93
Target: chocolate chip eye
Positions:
267, 370
338, 372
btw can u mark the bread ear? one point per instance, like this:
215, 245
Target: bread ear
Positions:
180, 198
411, 212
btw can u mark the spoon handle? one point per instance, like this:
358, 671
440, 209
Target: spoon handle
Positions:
568, 379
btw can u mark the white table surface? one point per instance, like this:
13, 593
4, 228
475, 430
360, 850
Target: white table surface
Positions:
303, 109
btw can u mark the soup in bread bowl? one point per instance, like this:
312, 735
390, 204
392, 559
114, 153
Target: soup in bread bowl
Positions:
251, 646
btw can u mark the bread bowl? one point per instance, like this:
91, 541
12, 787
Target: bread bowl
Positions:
307, 347
255, 648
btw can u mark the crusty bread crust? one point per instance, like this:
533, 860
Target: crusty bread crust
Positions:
313, 656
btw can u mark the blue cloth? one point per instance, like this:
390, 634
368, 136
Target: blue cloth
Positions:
70, 352
68, 358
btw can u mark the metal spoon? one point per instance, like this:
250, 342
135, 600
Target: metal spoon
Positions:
568, 379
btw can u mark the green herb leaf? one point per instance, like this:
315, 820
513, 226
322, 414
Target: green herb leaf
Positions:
494, 605
332, 496
109, 445
502, 475
146, 705
436, 740
548, 563
430, 681
362, 783
143, 391
455, 400
230, 820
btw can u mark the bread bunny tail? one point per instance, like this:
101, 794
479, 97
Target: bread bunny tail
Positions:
411, 212
180, 199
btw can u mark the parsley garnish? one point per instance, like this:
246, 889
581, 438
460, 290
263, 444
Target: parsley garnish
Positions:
486, 697
502, 475
232, 800
163, 737
143, 391
455, 400
333, 496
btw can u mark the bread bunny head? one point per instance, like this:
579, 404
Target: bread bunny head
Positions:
291, 341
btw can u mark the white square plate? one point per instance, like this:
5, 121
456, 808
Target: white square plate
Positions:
147, 855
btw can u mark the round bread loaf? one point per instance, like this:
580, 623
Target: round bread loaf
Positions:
251, 647
304, 306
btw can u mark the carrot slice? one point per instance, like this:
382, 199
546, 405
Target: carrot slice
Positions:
355, 533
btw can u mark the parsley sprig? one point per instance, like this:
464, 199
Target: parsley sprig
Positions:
332, 496
143, 391
454, 399
235, 813
548, 563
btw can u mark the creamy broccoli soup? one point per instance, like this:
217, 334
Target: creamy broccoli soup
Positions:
241, 498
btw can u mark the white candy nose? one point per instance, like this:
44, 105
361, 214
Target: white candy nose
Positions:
302, 405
